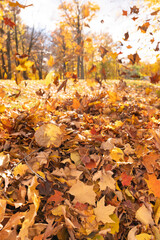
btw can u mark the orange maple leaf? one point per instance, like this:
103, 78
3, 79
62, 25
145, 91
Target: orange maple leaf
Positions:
153, 185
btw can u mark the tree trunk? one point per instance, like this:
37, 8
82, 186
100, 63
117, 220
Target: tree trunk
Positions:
8, 46
78, 42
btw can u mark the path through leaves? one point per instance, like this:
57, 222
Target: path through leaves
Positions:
83, 164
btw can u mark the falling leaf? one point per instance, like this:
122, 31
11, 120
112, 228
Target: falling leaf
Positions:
63, 85
83, 193
157, 47
155, 12
49, 78
155, 78
103, 212
48, 135
124, 13
9, 22
134, 9
92, 69
126, 36
103, 51
144, 215
134, 58
134, 18
144, 27
17, 4
153, 185
50, 61
85, 11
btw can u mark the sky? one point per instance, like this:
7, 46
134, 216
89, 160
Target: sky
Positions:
45, 14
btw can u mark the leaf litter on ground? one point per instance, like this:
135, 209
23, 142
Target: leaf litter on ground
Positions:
83, 164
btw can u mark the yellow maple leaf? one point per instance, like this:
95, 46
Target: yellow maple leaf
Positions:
20, 170
117, 154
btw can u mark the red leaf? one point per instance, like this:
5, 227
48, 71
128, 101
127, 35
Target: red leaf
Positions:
9, 22
126, 179
124, 13
81, 206
155, 78
134, 18
57, 198
90, 165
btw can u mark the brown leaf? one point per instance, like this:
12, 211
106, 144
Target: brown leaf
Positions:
155, 12
48, 135
144, 27
103, 51
126, 36
134, 58
63, 85
134, 9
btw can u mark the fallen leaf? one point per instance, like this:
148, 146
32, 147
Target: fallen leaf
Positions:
117, 154
48, 135
126, 179
83, 193
4, 160
106, 180
144, 215
153, 185
103, 212
2, 209
144, 236
20, 170
56, 198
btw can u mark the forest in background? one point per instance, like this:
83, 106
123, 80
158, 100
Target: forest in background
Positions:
28, 53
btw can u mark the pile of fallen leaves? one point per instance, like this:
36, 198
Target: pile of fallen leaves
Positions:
83, 164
